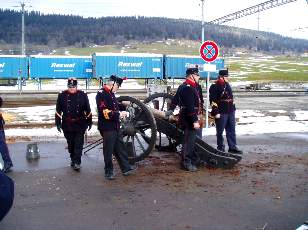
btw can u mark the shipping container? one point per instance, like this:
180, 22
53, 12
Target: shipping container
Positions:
130, 65
13, 67
176, 65
60, 67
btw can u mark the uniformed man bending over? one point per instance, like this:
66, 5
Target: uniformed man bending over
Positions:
223, 109
73, 115
109, 115
188, 99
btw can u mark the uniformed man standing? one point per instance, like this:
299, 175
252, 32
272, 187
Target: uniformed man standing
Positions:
73, 115
109, 115
223, 109
6, 194
188, 99
8, 164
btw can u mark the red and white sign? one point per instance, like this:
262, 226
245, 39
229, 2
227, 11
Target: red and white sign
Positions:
209, 51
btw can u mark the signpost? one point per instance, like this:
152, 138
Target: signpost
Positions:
209, 52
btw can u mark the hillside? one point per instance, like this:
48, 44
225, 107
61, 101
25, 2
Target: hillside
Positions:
48, 32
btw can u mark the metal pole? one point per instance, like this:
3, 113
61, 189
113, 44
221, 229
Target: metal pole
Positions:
203, 21
23, 28
258, 29
207, 100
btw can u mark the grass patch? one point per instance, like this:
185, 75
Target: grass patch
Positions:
168, 47
277, 76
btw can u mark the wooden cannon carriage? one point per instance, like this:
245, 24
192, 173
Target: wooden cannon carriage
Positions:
147, 128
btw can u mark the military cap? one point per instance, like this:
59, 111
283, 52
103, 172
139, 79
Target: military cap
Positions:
71, 83
223, 72
116, 79
193, 70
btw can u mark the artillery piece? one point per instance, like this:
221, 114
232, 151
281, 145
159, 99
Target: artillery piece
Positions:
146, 128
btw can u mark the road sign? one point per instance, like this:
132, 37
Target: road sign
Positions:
209, 67
209, 51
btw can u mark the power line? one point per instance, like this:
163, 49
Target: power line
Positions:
251, 10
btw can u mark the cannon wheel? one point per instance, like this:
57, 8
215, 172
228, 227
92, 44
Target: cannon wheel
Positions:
138, 129
162, 102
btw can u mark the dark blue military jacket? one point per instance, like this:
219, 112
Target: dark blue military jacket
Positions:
75, 110
6, 194
221, 98
2, 122
188, 99
108, 110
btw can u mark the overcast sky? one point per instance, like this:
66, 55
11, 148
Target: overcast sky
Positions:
289, 20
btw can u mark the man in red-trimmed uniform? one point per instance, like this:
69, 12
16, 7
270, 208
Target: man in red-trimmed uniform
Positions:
188, 99
73, 116
109, 114
223, 109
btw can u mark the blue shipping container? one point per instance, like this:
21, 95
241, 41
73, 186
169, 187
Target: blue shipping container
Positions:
13, 67
176, 65
130, 65
60, 67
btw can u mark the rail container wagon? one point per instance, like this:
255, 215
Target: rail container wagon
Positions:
13, 67
130, 65
60, 67
176, 65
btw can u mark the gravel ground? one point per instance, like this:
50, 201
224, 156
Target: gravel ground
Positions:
266, 190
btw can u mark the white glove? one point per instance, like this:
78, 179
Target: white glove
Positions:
124, 114
217, 116
196, 125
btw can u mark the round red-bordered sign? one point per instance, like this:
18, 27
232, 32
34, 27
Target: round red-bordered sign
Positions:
209, 51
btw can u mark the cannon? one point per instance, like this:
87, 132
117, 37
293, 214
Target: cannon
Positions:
147, 128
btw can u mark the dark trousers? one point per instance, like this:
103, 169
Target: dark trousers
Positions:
4, 150
75, 140
113, 144
226, 122
6, 194
189, 155
199, 132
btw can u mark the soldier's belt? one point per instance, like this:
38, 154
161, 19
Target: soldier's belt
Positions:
185, 107
71, 120
227, 100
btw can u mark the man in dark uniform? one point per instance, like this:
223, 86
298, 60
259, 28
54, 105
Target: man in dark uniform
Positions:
6, 194
8, 164
223, 109
109, 115
73, 115
188, 99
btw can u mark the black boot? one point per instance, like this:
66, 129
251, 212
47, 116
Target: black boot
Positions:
235, 151
130, 171
109, 175
7, 167
76, 167
189, 167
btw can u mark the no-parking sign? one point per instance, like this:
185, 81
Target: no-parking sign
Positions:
209, 51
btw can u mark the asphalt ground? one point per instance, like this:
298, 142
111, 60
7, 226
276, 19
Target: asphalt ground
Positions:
267, 188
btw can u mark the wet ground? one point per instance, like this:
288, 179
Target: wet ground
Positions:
266, 190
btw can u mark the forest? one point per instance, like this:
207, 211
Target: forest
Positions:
57, 31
